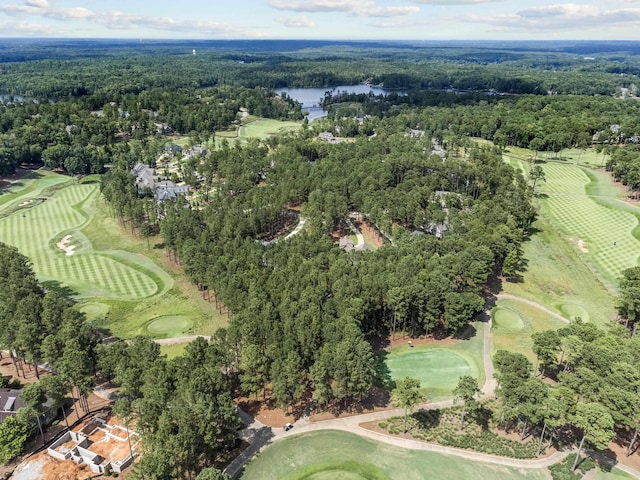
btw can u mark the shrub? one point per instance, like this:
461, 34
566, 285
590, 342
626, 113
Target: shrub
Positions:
562, 470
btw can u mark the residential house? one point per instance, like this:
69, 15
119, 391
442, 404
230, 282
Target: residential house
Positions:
10, 403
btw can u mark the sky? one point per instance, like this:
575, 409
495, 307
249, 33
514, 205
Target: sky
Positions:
323, 19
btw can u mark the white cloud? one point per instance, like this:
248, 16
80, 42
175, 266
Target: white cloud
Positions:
404, 24
455, 2
117, 20
321, 5
388, 12
20, 29
298, 21
359, 8
560, 17
37, 3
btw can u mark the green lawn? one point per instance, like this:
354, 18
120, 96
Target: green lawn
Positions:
173, 351
513, 323
341, 455
603, 228
28, 187
559, 275
614, 474
89, 272
264, 128
438, 366
121, 284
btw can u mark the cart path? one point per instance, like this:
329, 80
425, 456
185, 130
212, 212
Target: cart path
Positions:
176, 340
508, 296
296, 230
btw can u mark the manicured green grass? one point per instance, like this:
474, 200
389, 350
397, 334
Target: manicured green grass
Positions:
614, 474
558, 273
438, 366
264, 128
605, 231
343, 470
574, 156
173, 351
438, 369
507, 319
29, 186
288, 458
574, 311
529, 319
169, 326
94, 310
88, 272
117, 279
584, 157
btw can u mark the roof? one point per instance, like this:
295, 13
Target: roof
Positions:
10, 402
167, 192
346, 243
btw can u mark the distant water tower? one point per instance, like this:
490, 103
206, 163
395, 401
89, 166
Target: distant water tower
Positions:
194, 51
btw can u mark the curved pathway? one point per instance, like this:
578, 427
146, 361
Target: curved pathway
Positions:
260, 435
533, 304
296, 230
360, 245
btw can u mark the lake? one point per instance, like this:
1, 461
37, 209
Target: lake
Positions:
310, 98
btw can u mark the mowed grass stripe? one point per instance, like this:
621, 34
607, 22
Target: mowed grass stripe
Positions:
36, 233
606, 231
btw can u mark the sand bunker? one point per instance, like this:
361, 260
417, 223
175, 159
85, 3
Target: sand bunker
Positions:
25, 203
63, 245
582, 247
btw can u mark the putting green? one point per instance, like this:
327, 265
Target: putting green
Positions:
289, 458
337, 470
168, 325
94, 310
574, 311
435, 368
507, 319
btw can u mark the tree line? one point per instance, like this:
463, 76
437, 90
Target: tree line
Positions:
182, 408
597, 392
81, 135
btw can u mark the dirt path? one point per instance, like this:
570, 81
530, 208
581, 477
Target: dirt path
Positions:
508, 296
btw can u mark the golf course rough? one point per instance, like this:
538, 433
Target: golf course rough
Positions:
50, 235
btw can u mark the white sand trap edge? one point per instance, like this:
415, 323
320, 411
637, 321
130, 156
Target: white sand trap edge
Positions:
68, 249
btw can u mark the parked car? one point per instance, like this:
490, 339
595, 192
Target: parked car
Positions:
288, 426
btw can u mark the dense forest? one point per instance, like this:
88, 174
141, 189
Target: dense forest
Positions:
303, 312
